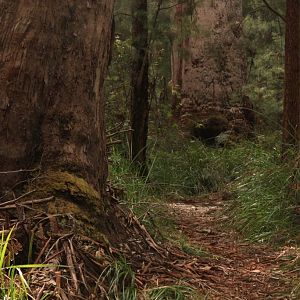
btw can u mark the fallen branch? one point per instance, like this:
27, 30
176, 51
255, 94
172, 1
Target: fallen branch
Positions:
274, 11
17, 199
36, 201
119, 132
113, 143
18, 171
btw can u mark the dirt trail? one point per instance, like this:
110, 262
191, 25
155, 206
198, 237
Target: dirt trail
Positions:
236, 269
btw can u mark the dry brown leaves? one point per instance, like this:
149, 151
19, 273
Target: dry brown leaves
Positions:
237, 269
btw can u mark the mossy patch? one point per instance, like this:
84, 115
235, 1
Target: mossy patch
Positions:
70, 185
75, 196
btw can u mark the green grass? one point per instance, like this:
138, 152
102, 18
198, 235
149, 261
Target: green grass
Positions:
13, 283
251, 170
121, 280
173, 292
263, 195
193, 250
190, 170
141, 197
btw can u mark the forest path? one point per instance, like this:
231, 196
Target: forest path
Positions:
236, 269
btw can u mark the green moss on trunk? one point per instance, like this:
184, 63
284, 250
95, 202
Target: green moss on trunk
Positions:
71, 185
74, 195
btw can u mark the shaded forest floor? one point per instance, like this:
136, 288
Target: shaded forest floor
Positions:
238, 244
235, 268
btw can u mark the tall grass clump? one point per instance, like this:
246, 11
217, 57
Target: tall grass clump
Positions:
173, 292
140, 196
192, 169
264, 195
124, 176
121, 281
12, 282
252, 171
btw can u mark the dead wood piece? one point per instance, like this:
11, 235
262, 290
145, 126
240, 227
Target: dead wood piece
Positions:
33, 202
40, 292
113, 143
18, 171
42, 251
17, 199
118, 132
70, 261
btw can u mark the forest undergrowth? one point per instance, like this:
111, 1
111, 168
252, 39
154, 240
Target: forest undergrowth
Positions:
217, 208
261, 192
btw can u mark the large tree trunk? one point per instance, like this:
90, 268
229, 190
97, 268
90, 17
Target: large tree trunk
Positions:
139, 94
53, 59
291, 111
208, 67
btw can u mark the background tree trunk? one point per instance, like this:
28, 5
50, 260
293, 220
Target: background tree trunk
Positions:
291, 110
53, 59
209, 67
139, 82
177, 57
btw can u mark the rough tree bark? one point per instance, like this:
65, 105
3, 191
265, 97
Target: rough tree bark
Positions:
53, 59
139, 83
208, 68
291, 110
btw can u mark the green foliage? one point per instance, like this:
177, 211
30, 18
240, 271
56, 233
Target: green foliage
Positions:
125, 177
140, 196
264, 198
12, 282
264, 45
162, 33
13, 285
192, 250
174, 292
121, 280
117, 83
190, 169
251, 170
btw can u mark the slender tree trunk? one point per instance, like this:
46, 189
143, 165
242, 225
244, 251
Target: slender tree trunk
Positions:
139, 95
53, 59
291, 111
177, 62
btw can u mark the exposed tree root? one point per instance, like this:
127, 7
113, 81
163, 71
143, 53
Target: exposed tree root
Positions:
78, 267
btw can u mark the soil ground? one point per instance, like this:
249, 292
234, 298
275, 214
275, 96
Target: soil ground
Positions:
235, 268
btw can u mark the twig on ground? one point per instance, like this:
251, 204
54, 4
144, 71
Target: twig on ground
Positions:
16, 199
18, 171
36, 201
